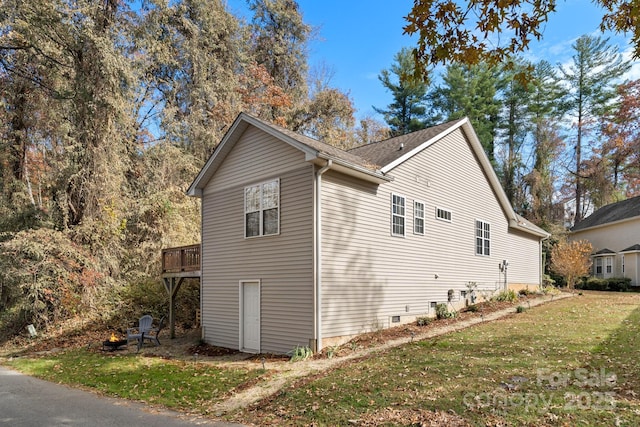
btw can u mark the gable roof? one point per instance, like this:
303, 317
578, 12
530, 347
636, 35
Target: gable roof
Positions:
605, 251
633, 248
614, 212
389, 151
371, 162
315, 151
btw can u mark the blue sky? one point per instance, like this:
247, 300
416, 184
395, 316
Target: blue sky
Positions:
358, 39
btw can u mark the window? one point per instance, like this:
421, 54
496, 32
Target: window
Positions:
609, 264
443, 214
598, 264
262, 209
397, 215
418, 217
483, 238
622, 261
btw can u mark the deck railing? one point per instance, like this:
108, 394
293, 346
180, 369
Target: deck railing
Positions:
184, 258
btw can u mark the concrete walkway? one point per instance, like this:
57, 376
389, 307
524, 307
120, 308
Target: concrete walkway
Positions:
293, 371
29, 402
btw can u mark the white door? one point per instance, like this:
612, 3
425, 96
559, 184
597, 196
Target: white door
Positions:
250, 317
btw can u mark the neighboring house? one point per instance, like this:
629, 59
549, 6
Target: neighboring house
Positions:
614, 233
304, 244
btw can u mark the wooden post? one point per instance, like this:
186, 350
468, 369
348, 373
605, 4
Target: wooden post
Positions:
172, 288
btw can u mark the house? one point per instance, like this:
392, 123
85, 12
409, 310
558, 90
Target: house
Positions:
304, 244
614, 233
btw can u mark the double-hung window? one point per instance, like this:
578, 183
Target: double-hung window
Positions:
262, 209
418, 217
483, 238
609, 264
598, 267
397, 215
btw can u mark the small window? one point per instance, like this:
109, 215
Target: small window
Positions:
395, 319
443, 214
483, 238
262, 209
434, 305
609, 264
622, 261
397, 215
418, 217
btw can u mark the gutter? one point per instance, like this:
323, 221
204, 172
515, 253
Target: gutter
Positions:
318, 253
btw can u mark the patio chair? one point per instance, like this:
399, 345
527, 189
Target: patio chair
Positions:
152, 333
138, 334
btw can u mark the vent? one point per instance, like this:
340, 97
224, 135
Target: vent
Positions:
443, 214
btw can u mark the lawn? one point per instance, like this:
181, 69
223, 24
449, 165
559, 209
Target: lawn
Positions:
573, 361
179, 385
570, 362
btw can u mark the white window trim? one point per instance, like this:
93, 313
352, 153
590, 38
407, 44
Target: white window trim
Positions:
608, 266
260, 224
475, 242
444, 210
596, 261
423, 218
404, 217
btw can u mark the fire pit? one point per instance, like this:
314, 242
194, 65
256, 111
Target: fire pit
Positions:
113, 343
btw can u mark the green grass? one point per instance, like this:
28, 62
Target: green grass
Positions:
546, 366
174, 384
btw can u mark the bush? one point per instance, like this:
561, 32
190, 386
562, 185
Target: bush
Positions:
520, 309
615, 284
619, 284
442, 312
509, 296
423, 321
525, 292
301, 353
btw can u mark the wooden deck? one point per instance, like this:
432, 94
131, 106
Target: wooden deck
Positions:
178, 264
183, 261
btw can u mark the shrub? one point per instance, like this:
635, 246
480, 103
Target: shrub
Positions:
301, 353
509, 296
616, 284
423, 321
619, 284
442, 312
520, 309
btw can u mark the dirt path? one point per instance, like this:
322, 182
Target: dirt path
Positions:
284, 373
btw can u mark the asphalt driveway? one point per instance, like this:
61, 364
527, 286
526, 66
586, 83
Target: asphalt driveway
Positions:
27, 401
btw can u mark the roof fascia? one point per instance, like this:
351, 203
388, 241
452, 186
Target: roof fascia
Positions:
229, 140
421, 147
606, 224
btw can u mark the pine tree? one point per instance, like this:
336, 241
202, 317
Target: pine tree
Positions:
407, 112
596, 66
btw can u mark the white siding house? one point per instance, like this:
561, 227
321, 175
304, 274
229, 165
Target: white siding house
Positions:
306, 244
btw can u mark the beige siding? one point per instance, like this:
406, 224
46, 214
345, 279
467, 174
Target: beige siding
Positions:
616, 237
282, 263
369, 275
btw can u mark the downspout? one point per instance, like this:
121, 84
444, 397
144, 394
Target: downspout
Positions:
318, 253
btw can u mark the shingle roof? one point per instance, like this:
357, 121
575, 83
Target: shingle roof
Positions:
610, 213
604, 251
323, 147
635, 247
384, 152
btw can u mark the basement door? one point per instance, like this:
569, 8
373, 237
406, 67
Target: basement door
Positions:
250, 316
